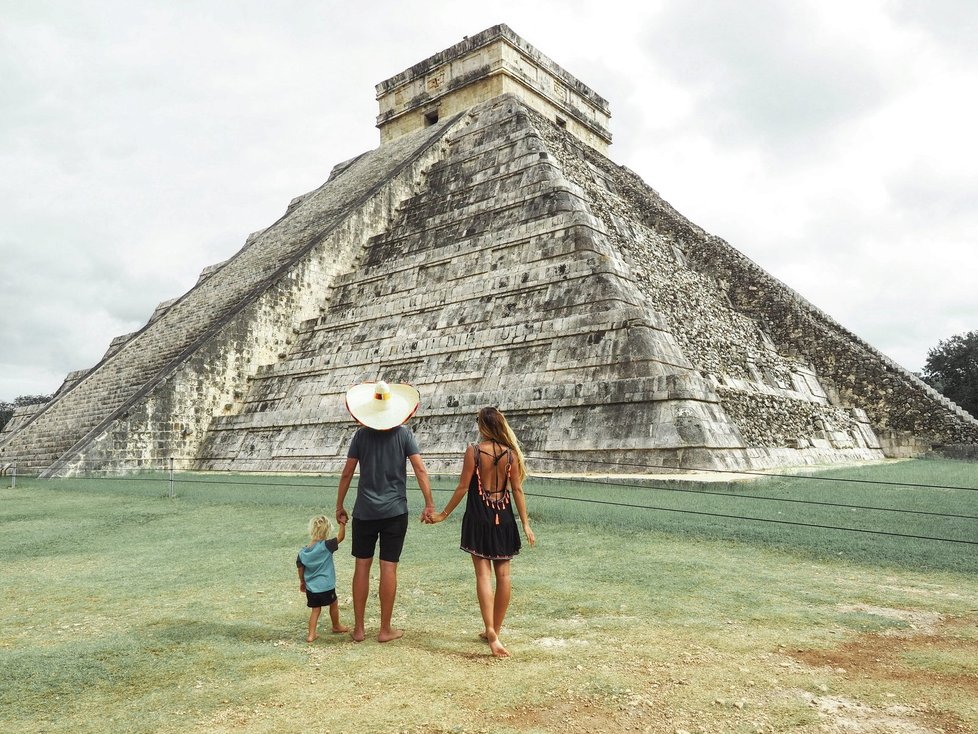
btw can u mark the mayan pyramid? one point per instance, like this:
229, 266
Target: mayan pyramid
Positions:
489, 253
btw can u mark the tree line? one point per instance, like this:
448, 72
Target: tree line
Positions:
952, 370
7, 409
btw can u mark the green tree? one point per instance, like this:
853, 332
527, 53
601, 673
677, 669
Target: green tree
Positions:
7, 409
952, 369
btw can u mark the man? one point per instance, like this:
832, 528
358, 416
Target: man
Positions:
381, 447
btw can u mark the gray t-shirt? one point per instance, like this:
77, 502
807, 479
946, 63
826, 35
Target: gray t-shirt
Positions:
382, 487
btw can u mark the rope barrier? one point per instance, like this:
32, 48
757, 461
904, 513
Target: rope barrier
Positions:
762, 519
772, 499
313, 485
755, 473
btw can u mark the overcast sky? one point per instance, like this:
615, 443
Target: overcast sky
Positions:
831, 141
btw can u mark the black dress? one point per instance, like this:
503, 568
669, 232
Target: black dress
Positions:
489, 525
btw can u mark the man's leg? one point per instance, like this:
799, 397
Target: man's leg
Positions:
361, 588
388, 592
391, 544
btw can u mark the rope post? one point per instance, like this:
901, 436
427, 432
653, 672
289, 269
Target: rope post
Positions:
170, 494
13, 477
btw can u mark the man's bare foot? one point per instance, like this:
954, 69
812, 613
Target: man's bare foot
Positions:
357, 635
311, 638
390, 636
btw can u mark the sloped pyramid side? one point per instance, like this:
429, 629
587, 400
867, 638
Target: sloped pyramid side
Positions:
153, 395
498, 285
761, 343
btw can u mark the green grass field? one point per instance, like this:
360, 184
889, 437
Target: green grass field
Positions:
126, 610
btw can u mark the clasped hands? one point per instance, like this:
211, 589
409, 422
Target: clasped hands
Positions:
428, 515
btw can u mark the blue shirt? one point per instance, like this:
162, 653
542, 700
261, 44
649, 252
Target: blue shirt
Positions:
382, 487
316, 562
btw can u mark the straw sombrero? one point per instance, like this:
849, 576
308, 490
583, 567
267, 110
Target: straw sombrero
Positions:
382, 406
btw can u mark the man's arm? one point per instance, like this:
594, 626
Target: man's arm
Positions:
421, 474
345, 478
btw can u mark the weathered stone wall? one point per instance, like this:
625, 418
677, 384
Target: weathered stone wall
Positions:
490, 260
135, 404
497, 285
785, 335
775, 400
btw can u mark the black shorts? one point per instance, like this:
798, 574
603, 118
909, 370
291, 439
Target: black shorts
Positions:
320, 598
390, 530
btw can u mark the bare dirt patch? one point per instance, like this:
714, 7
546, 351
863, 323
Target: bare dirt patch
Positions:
889, 658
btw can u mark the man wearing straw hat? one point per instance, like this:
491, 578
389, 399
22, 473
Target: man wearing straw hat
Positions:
381, 447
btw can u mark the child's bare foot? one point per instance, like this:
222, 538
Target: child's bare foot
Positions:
357, 635
390, 635
337, 628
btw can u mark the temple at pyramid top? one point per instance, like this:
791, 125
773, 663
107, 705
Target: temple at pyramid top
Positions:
481, 67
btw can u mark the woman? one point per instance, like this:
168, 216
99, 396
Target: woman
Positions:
492, 476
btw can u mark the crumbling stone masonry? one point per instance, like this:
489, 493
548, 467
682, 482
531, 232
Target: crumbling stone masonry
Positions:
489, 253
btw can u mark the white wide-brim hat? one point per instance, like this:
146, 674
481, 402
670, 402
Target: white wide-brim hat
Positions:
381, 406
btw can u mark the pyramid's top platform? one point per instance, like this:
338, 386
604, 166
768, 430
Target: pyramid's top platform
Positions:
493, 62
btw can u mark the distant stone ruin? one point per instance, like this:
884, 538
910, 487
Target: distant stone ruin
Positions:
489, 253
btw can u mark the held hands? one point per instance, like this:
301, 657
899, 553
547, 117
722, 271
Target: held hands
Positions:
341, 515
430, 517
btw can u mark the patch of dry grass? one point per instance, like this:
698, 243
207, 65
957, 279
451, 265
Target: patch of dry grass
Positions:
122, 612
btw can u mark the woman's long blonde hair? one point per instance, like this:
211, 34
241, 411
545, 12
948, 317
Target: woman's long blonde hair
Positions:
492, 425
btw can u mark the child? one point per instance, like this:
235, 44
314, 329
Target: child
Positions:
317, 574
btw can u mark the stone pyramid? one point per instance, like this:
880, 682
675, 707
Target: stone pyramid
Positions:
489, 253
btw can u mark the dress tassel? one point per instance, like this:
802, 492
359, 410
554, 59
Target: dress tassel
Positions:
497, 518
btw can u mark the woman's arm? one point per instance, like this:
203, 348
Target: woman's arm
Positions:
468, 467
519, 499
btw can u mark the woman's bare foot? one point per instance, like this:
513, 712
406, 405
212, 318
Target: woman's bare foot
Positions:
497, 649
311, 637
390, 635
357, 635
337, 628
484, 637
495, 645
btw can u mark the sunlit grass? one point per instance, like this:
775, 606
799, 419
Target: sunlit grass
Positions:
125, 610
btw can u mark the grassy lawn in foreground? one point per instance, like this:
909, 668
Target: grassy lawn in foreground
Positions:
124, 610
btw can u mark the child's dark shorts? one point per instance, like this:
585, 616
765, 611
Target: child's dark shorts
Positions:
320, 598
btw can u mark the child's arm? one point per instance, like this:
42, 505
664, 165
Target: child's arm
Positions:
302, 578
341, 534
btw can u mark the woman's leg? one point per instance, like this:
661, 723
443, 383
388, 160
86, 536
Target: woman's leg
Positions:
503, 592
483, 589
